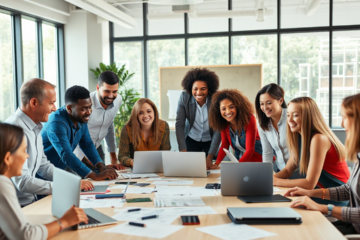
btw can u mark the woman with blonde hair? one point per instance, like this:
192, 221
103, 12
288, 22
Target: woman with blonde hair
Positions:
314, 148
143, 132
232, 114
349, 217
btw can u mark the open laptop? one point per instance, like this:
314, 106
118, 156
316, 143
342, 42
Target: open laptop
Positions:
148, 162
230, 156
264, 215
184, 164
66, 193
246, 179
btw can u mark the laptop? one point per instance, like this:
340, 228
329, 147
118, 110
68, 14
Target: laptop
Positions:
246, 178
66, 193
96, 190
231, 156
184, 164
148, 162
264, 216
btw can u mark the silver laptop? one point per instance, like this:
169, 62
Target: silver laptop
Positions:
66, 193
148, 162
184, 164
264, 215
246, 178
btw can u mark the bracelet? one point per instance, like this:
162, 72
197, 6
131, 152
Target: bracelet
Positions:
61, 227
323, 196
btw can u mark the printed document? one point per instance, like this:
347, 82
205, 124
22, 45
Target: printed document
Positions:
185, 192
178, 202
102, 203
139, 175
189, 182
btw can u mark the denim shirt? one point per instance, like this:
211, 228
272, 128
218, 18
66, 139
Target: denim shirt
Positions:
242, 140
60, 138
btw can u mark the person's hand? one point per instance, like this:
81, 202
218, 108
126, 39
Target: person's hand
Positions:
116, 166
107, 174
131, 163
86, 185
308, 204
73, 216
215, 166
209, 159
275, 181
297, 191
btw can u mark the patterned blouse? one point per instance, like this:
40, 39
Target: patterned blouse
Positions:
126, 148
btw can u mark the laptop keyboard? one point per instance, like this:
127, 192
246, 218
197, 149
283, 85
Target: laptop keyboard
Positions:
91, 223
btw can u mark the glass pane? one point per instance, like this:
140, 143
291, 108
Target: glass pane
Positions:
253, 16
163, 21
208, 51
347, 44
257, 49
346, 12
134, 10
130, 54
7, 85
300, 50
29, 49
300, 13
163, 53
209, 16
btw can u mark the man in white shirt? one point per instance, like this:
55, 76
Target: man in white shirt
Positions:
38, 99
106, 103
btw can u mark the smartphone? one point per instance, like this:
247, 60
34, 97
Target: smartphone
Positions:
213, 186
132, 200
190, 220
125, 183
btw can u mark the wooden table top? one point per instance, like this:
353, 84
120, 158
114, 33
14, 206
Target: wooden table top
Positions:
314, 226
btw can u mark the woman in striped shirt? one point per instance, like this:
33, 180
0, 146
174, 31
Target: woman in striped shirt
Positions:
349, 217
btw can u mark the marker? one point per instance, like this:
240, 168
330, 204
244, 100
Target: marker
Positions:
149, 217
134, 209
137, 224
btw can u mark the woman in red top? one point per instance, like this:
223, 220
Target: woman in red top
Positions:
232, 114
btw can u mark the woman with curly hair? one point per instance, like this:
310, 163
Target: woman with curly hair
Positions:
233, 114
143, 132
193, 132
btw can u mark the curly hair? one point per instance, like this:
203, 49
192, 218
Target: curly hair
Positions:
200, 74
244, 109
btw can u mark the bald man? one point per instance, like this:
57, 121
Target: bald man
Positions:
38, 99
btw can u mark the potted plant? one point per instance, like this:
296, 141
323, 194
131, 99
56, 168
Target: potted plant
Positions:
129, 95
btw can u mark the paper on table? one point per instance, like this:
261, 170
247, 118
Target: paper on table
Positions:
117, 186
185, 192
277, 189
215, 171
140, 190
178, 202
83, 197
163, 179
124, 215
139, 175
178, 211
150, 231
173, 183
103, 183
232, 231
101, 203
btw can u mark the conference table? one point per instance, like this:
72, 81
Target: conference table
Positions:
314, 226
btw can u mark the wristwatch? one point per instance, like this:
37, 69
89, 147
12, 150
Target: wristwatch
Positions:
330, 209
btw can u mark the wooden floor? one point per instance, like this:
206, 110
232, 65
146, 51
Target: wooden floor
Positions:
314, 226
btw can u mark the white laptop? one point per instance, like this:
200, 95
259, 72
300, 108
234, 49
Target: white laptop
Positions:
148, 162
66, 193
230, 156
184, 164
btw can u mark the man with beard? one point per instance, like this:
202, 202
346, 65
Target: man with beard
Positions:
106, 103
67, 128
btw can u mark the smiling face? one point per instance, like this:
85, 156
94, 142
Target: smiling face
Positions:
81, 110
270, 106
42, 110
228, 111
146, 115
107, 93
200, 91
294, 117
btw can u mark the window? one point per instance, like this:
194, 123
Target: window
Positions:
346, 12
303, 69
7, 93
29, 41
257, 49
130, 54
163, 53
208, 51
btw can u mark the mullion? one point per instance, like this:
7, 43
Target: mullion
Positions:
61, 63
230, 30
278, 42
18, 66
39, 44
330, 60
145, 50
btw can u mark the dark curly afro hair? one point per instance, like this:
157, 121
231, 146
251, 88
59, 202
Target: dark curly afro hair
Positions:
200, 74
244, 109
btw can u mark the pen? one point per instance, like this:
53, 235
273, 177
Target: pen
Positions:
137, 224
149, 217
134, 209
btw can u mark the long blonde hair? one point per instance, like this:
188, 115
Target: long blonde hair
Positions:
135, 126
351, 106
312, 122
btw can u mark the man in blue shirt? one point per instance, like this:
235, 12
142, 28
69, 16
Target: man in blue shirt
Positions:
67, 128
